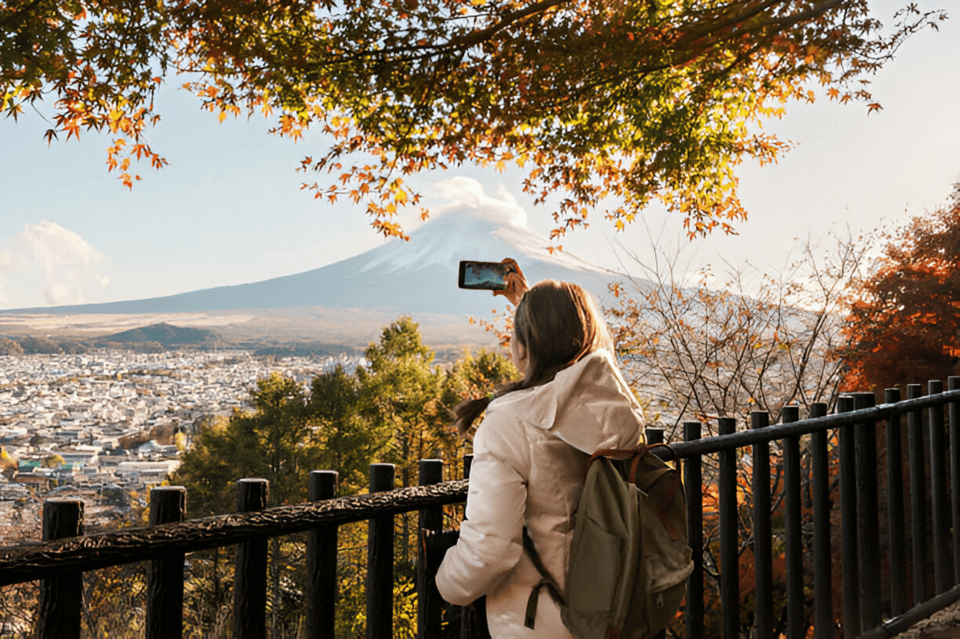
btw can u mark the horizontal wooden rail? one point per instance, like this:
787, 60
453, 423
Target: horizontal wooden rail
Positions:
902, 623
39, 561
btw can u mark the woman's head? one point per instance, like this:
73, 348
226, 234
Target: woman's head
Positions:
556, 324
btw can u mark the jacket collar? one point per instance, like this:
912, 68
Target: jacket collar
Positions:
588, 405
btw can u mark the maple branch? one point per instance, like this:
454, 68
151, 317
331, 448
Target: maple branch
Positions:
780, 24
476, 37
685, 41
459, 44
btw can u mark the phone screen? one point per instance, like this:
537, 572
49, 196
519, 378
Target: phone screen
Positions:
483, 275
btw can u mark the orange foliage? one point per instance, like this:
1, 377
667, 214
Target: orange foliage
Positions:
905, 326
615, 104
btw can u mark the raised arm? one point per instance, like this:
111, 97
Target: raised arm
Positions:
516, 282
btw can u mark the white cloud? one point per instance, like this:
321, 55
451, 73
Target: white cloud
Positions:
52, 259
466, 192
9, 260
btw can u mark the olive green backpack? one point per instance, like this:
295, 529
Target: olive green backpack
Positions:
629, 558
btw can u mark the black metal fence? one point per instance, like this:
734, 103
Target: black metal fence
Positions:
804, 476
843, 470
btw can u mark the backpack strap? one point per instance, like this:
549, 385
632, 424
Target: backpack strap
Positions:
622, 454
635, 455
547, 581
668, 496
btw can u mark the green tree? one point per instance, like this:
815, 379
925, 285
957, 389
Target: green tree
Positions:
275, 442
113, 601
284, 437
400, 389
348, 441
474, 376
631, 101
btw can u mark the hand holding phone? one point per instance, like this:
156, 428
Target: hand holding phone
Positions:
491, 276
503, 278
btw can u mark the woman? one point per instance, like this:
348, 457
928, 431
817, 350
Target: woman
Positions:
530, 456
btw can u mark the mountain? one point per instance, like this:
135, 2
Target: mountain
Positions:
418, 276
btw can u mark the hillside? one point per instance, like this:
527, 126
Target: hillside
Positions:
166, 335
152, 338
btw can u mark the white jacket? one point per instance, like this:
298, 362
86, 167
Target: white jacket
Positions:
529, 462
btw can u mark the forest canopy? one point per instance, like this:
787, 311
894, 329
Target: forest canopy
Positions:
609, 105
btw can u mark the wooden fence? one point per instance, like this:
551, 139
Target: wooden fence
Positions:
890, 579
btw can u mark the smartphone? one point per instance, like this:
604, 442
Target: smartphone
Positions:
489, 276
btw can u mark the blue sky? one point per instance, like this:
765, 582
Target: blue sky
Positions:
228, 209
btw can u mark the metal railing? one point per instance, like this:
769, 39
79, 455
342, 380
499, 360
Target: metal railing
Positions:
874, 602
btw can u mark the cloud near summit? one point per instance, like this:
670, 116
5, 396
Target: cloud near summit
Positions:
48, 257
464, 192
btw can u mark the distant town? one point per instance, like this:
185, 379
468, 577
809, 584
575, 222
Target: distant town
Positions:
104, 426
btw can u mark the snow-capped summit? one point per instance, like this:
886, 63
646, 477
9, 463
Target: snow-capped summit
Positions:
419, 275
457, 235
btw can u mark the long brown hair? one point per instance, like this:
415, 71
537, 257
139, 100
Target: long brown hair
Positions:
558, 324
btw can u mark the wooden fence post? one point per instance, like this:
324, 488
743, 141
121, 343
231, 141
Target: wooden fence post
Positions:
250, 579
848, 522
429, 603
322, 562
729, 542
793, 525
693, 480
380, 560
868, 515
918, 496
953, 383
895, 512
942, 561
655, 435
165, 576
823, 625
61, 597
762, 530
